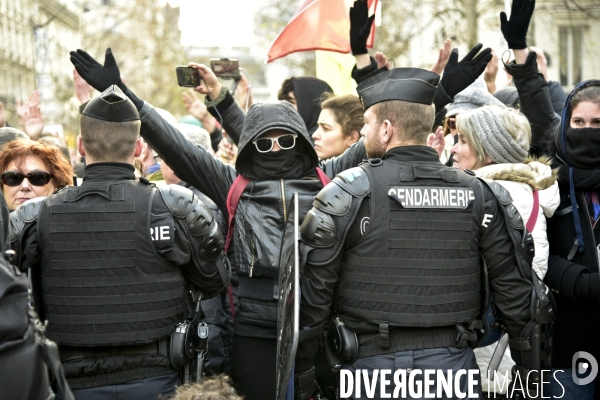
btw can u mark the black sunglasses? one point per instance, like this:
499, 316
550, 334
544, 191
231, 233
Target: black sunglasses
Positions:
285, 142
36, 178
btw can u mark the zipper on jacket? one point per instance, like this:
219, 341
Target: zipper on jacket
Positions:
283, 200
251, 251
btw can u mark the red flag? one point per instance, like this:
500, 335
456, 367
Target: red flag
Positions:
318, 25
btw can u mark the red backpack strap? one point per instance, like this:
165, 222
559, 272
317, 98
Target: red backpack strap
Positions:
233, 198
534, 212
322, 177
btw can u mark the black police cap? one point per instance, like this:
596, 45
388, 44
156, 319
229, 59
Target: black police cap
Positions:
414, 85
112, 105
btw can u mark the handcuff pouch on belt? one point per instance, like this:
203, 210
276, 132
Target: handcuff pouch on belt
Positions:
182, 344
190, 336
342, 342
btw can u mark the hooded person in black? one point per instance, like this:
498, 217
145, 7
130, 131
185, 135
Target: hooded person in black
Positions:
305, 93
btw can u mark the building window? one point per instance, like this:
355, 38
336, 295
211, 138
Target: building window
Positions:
570, 54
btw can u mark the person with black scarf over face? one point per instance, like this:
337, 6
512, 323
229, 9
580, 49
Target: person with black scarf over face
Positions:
574, 238
277, 158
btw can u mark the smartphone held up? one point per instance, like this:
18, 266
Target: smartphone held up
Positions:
187, 76
225, 68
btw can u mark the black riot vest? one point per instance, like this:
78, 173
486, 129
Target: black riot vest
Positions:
102, 281
418, 263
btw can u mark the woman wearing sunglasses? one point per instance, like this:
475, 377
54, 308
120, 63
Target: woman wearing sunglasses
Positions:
31, 169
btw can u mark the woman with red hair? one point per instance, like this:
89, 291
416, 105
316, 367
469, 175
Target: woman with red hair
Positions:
32, 169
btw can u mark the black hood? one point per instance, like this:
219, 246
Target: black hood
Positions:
560, 136
308, 91
264, 117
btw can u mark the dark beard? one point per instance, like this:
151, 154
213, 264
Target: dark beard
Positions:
374, 149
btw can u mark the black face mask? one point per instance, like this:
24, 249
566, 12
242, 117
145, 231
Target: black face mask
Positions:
283, 164
583, 147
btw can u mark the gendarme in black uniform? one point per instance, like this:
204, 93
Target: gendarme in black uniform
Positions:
396, 245
111, 259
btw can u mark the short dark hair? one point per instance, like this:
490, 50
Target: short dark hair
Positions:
109, 141
412, 120
286, 87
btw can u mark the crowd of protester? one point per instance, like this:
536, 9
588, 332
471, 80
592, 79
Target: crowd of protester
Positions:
538, 142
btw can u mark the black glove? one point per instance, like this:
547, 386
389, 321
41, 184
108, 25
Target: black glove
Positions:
515, 30
360, 27
305, 385
458, 75
101, 77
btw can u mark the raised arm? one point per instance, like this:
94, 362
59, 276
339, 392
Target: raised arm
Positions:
220, 102
189, 162
534, 94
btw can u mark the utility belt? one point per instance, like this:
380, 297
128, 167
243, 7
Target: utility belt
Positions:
157, 348
344, 346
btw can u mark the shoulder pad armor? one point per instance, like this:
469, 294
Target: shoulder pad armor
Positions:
318, 229
354, 181
26, 214
179, 200
333, 200
505, 199
183, 203
29, 211
499, 191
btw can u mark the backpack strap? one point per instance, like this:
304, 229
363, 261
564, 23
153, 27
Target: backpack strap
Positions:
534, 212
323, 177
233, 198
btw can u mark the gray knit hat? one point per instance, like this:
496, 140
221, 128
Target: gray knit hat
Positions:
196, 135
474, 96
497, 142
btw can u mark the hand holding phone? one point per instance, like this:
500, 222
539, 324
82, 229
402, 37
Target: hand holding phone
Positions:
225, 68
187, 76
209, 84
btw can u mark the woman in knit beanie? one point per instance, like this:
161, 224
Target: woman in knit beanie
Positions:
494, 143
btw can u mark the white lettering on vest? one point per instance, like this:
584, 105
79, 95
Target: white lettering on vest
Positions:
160, 233
432, 197
487, 218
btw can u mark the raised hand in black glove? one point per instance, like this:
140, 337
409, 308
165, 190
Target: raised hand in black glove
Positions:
515, 29
100, 77
458, 75
360, 27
